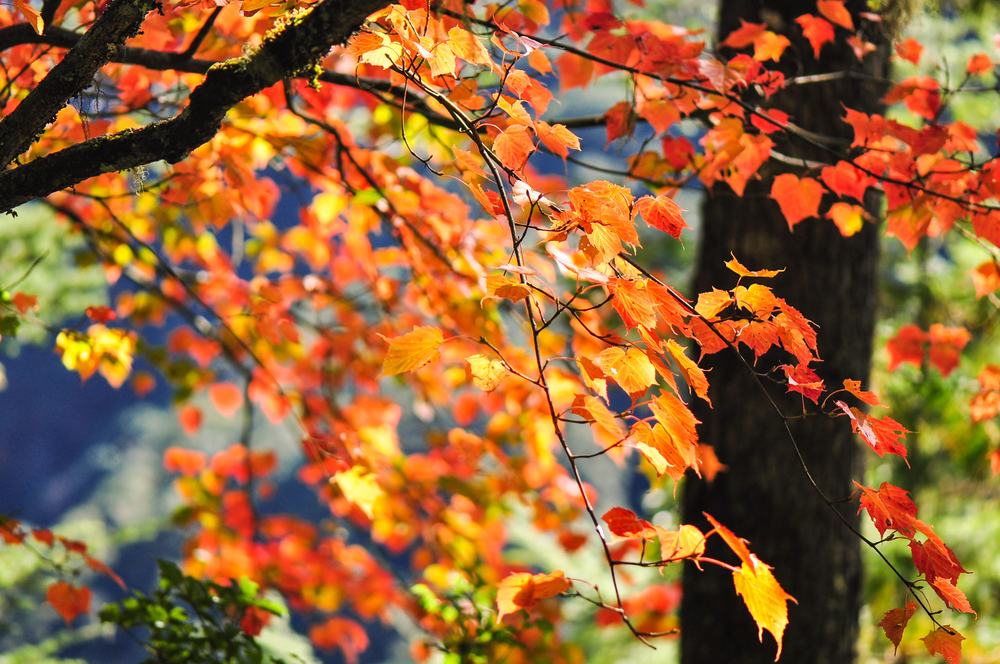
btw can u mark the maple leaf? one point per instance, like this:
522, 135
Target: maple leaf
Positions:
68, 600
593, 409
513, 146
889, 507
835, 12
907, 346
885, 435
693, 374
619, 120
710, 304
979, 64
952, 596
341, 633
945, 641
186, 462
817, 30
663, 213
769, 46
708, 463
557, 138
744, 35
739, 269
848, 218
31, 15
946, 344
764, 597
798, 198
910, 49
686, 542
986, 278
502, 286
624, 524
630, 368
894, 623
412, 350
485, 373
226, 397
524, 591
854, 387
632, 303
360, 488
803, 380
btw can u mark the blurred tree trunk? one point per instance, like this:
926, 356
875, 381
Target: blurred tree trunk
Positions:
766, 497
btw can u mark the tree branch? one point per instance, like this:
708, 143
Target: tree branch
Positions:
74, 73
302, 43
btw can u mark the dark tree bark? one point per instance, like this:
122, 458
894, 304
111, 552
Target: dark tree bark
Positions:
766, 497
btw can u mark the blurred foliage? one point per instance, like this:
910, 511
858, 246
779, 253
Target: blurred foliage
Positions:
44, 258
189, 621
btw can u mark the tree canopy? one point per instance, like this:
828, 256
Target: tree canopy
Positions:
376, 224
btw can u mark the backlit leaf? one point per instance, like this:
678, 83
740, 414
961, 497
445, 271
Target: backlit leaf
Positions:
486, 373
412, 350
663, 213
894, 623
765, 598
524, 591
798, 198
945, 641
68, 600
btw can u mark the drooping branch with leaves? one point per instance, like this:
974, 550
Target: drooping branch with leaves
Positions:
434, 266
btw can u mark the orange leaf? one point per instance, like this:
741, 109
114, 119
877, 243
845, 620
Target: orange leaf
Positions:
907, 346
342, 633
501, 286
798, 199
986, 278
693, 374
557, 138
889, 507
630, 368
412, 350
946, 344
803, 380
624, 524
593, 409
848, 218
632, 303
737, 544
190, 418
980, 63
885, 435
523, 591
951, 595
226, 397
186, 462
708, 463
835, 12
738, 268
662, 213
99, 566
766, 600
68, 600
854, 387
895, 621
818, 31
619, 120
910, 50
945, 641
30, 15
513, 146
769, 46
744, 35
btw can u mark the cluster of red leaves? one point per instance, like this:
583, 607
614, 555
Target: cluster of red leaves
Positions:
891, 509
69, 600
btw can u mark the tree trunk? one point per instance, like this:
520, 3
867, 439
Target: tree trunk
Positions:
766, 496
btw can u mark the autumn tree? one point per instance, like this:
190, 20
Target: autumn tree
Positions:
434, 267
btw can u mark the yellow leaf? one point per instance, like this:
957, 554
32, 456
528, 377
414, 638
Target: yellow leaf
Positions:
486, 374
631, 368
412, 350
523, 591
359, 487
498, 285
764, 597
